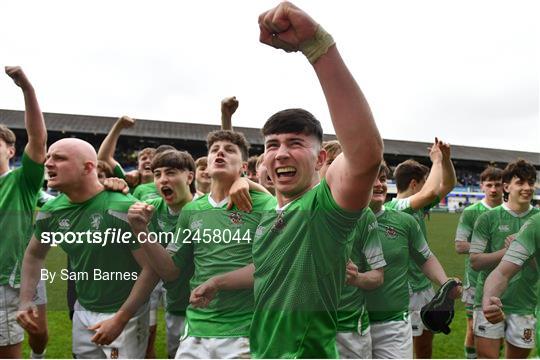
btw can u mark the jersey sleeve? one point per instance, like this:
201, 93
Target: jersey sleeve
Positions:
42, 224
418, 247
372, 248
117, 219
181, 248
119, 172
526, 243
465, 226
32, 174
481, 235
330, 212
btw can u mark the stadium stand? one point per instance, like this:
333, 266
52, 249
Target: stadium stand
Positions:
468, 161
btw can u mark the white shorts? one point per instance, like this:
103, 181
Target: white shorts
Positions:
41, 293
518, 330
11, 332
175, 329
352, 345
468, 295
416, 301
213, 348
392, 339
156, 298
131, 343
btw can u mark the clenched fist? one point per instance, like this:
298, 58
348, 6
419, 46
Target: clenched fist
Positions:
139, 215
18, 76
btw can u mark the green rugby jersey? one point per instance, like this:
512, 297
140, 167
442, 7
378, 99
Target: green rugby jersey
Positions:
402, 242
464, 233
417, 280
300, 253
218, 241
119, 172
106, 271
490, 231
19, 189
146, 191
164, 221
367, 254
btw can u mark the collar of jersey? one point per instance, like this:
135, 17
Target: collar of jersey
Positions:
511, 212
221, 204
5, 174
485, 204
287, 205
380, 212
171, 211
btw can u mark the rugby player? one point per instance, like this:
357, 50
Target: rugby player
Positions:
111, 314
146, 189
214, 240
353, 337
521, 252
301, 249
415, 195
491, 185
174, 175
202, 179
493, 232
19, 190
388, 306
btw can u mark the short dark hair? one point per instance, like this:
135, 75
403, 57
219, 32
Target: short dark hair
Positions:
384, 169
293, 121
104, 167
231, 136
7, 135
491, 173
520, 168
175, 159
407, 171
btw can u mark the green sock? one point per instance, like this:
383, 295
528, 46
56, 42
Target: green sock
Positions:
470, 352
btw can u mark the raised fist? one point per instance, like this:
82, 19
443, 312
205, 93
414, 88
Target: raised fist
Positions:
18, 76
126, 122
139, 215
435, 152
229, 106
286, 27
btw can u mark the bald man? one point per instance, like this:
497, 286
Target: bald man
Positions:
111, 276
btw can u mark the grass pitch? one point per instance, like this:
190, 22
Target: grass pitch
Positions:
441, 231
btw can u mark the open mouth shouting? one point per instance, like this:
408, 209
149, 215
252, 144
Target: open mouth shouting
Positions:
167, 192
285, 172
51, 174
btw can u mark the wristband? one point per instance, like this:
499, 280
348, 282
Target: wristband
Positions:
318, 45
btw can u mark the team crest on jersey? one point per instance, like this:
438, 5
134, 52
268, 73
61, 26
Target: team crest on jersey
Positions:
279, 224
260, 231
95, 221
236, 218
196, 224
64, 224
391, 232
527, 335
504, 227
114, 353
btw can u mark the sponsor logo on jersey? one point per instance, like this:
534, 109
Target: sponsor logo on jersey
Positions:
391, 232
527, 335
235, 217
196, 224
95, 221
504, 227
64, 224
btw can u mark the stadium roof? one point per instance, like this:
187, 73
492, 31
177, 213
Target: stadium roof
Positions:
197, 132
